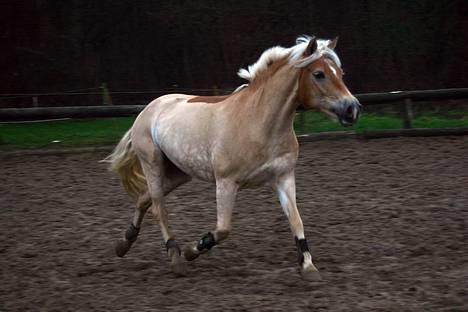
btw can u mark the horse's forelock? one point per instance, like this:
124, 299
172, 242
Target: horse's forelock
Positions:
297, 54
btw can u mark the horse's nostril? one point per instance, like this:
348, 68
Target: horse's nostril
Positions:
348, 112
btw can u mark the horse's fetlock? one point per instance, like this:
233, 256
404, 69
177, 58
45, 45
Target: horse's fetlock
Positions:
172, 247
206, 242
302, 248
132, 233
122, 247
222, 235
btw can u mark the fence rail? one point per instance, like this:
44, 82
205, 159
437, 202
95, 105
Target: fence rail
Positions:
415, 95
35, 113
406, 97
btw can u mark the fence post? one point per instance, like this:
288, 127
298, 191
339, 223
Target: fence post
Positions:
35, 101
215, 90
408, 114
106, 98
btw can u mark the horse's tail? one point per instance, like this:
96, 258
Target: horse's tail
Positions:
124, 161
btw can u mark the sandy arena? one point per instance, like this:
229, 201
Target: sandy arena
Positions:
386, 222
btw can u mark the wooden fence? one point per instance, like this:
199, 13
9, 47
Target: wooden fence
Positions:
405, 98
408, 97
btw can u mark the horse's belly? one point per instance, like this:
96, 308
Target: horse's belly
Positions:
191, 159
258, 178
266, 172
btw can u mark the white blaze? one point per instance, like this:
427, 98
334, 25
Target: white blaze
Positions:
332, 69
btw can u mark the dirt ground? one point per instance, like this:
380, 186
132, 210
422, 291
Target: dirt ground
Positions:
386, 222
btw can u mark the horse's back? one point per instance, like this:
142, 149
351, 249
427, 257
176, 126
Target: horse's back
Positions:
169, 106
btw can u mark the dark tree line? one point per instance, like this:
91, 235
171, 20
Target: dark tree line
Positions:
52, 45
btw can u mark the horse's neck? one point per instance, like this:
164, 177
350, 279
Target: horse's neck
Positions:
275, 101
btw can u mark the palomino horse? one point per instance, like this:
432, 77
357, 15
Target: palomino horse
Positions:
239, 140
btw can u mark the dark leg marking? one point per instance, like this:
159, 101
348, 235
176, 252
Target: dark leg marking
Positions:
203, 245
171, 243
177, 264
123, 245
206, 242
302, 247
132, 233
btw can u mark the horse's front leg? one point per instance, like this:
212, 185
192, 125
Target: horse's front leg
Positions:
226, 191
286, 188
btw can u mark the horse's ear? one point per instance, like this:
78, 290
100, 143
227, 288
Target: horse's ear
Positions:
332, 44
311, 47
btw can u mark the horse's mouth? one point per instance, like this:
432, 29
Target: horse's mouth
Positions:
348, 112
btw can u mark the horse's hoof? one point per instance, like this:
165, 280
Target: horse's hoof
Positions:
179, 266
311, 274
190, 254
121, 247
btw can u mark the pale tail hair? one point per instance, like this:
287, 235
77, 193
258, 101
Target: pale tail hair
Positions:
124, 161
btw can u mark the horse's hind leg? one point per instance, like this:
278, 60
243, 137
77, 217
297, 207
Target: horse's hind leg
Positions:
173, 178
131, 235
226, 191
162, 179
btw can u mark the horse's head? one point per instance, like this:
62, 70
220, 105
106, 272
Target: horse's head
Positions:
321, 83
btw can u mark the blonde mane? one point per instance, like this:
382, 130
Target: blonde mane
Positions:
294, 55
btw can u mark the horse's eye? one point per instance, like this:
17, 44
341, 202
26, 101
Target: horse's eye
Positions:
319, 75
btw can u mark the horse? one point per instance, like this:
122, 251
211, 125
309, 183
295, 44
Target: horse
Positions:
243, 139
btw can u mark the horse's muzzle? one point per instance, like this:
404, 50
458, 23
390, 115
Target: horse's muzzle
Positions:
348, 111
